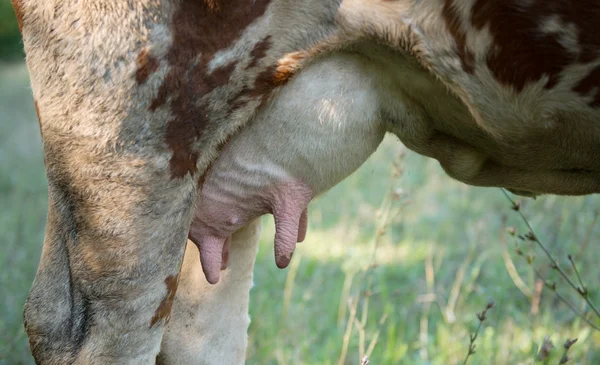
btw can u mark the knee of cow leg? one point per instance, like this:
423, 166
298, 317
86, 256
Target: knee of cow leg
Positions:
55, 316
49, 327
38, 332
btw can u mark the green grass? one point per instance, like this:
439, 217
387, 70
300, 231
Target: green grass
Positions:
23, 204
454, 233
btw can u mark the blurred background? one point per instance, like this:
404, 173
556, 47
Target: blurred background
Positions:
398, 261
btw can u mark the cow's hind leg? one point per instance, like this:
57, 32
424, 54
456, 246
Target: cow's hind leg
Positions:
115, 238
120, 204
209, 323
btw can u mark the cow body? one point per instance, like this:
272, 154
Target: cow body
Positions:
137, 98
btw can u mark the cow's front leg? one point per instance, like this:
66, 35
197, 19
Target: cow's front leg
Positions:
115, 238
209, 323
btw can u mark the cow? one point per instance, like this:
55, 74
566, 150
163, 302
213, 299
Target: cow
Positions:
143, 103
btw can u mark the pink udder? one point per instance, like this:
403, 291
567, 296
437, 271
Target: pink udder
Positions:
215, 221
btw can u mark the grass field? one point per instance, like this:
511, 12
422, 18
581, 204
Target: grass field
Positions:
399, 259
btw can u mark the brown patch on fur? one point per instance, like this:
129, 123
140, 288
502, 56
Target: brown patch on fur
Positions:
200, 29
180, 132
265, 82
147, 65
37, 112
452, 21
213, 5
18, 6
590, 84
161, 97
288, 65
260, 51
522, 52
164, 309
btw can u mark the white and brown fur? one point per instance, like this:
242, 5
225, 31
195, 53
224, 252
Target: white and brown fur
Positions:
136, 98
